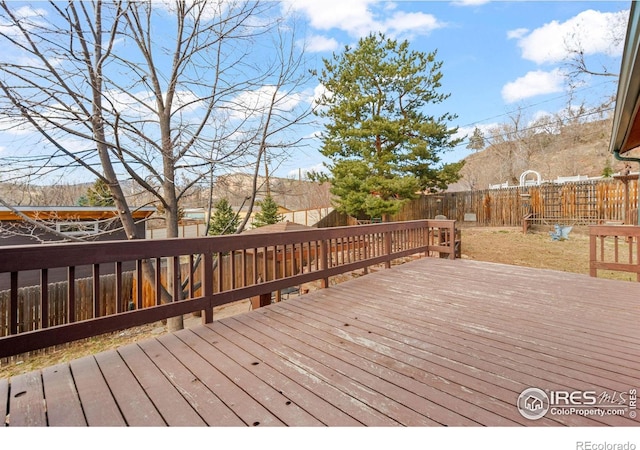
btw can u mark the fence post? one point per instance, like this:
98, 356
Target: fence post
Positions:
13, 304
44, 298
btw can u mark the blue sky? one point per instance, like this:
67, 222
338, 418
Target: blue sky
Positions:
498, 56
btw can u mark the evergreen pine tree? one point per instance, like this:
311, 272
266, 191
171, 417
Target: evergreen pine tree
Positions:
97, 195
383, 145
268, 214
476, 141
223, 220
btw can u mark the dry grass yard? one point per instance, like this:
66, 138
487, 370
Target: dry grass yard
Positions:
534, 249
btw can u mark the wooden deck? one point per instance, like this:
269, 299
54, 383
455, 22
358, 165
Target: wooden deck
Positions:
428, 343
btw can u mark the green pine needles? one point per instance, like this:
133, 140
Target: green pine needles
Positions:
383, 144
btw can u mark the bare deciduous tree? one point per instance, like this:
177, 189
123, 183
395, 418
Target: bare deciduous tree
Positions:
162, 95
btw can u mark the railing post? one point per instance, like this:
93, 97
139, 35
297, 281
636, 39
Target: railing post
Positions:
426, 237
592, 253
452, 240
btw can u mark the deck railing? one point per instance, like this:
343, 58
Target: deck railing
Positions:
173, 277
615, 248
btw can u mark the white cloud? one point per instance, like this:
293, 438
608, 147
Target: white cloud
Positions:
518, 33
304, 171
328, 14
319, 43
255, 103
16, 126
591, 31
533, 83
485, 128
28, 17
413, 23
361, 17
318, 92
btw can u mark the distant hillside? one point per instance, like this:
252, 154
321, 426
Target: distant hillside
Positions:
23, 194
288, 193
580, 149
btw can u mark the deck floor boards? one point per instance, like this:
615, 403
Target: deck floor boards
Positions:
427, 343
612, 368
98, 404
63, 404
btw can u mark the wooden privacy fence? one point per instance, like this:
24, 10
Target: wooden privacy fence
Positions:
29, 311
181, 276
582, 203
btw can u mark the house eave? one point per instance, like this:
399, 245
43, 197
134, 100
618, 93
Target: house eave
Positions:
625, 134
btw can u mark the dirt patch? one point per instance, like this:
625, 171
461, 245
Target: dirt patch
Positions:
501, 245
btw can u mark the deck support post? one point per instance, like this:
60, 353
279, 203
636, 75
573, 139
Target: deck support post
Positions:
261, 300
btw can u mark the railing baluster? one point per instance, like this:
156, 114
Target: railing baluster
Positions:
175, 279
243, 261
323, 262
207, 285
119, 294
139, 286
265, 275
192, 283
275, 262
232, 256
158, 281
387, 248
220, 272
254, 266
